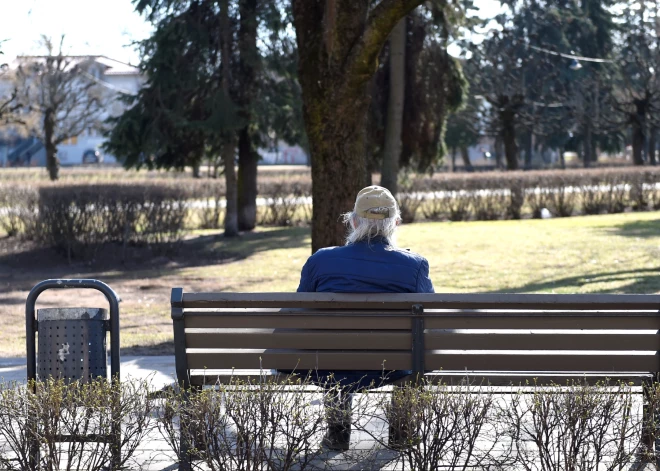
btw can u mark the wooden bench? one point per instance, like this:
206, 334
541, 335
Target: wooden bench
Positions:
497, 339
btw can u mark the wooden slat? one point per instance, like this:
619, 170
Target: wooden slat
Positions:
300, 360
432, 320
526, 341
401, 340
573, 321
397, 360
296, 322
428, 313
430, 301
299, 339
528, 362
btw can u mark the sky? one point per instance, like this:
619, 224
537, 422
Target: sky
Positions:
91, 27
94, 27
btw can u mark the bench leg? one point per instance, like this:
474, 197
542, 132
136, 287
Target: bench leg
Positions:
338, 411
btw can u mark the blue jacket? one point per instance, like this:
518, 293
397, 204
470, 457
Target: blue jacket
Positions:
363, 267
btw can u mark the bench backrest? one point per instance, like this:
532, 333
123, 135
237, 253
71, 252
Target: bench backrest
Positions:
456, 332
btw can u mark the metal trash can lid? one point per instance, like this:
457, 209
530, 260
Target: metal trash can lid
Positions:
72, 313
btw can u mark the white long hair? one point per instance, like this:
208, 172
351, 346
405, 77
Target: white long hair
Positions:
364, 229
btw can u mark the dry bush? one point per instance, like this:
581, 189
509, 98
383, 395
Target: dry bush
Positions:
432, 426
285, 205
571, 428
491, 202
616, 197
246, 425
409, 204
78, 410
79, 219
210, 193
593, 193
516, 199
18, 210
561, 196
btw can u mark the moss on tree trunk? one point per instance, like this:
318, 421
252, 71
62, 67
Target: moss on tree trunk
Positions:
338, 46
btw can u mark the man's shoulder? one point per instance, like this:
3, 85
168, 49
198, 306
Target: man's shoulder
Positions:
325, 252
408, 254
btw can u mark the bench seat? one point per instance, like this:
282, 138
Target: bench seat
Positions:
499, 339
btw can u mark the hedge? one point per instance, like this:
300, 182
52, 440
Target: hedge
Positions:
78, 219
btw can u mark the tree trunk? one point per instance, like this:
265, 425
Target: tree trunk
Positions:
229, 148
52, 162
587, 155
231, 211
247, 156
637, 143
529, 146
509, 139
196, 171
499, 152
338, 46
392, 151
247, 182
652, 145
453, 159
465, 155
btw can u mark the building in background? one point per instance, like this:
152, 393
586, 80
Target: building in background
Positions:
115, 77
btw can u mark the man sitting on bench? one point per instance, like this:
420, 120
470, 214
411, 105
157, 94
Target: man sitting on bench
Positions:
370, 262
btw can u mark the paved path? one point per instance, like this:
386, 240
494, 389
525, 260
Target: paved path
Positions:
159, 369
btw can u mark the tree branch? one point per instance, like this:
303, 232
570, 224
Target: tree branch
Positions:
383, 18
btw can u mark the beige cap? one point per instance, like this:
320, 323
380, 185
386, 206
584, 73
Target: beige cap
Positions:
375, 202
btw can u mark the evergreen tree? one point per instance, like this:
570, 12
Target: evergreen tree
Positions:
207, 89
433, 87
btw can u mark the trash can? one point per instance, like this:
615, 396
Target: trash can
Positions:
71, 344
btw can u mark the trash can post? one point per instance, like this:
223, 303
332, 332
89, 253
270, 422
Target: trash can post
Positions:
31, 326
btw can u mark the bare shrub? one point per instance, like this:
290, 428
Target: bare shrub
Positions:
593, 195
409, 204
571, 428
18, 210
639, 195
516, 199
616, 194
79, 412
246, 425
211, 194
561, 196
433, 207
166, 211
489, 203
432, 426
79, 219
282, 204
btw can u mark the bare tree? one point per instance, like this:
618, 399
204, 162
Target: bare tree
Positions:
62, 97
10, 106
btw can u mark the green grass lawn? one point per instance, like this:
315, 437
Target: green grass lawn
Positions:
593, 254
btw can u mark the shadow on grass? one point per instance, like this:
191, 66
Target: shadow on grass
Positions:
641, 229
25, 260
642, 281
